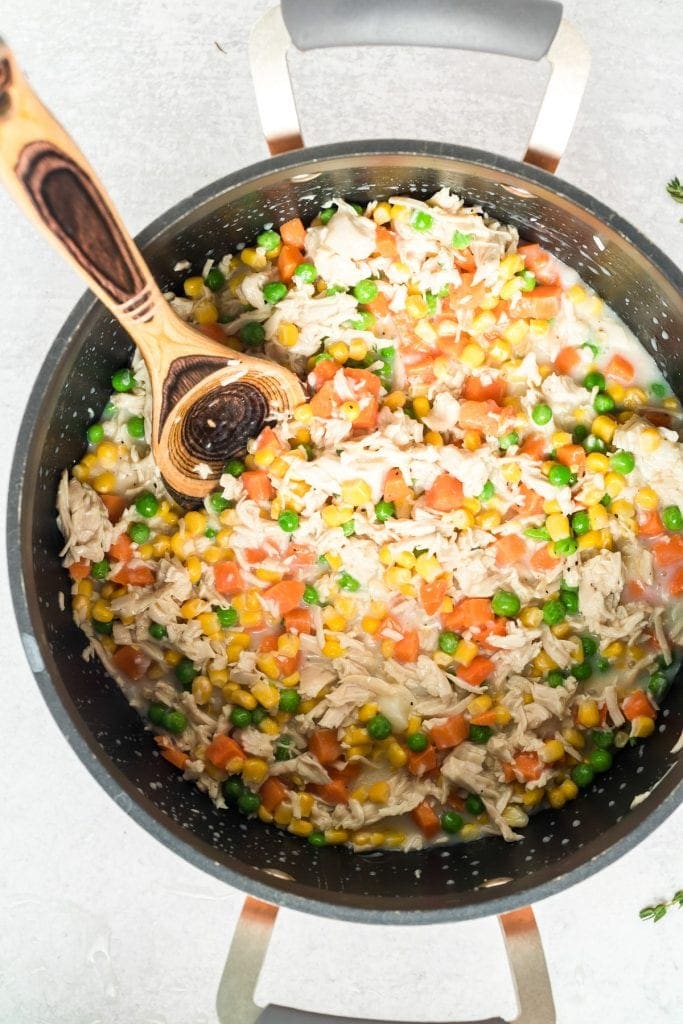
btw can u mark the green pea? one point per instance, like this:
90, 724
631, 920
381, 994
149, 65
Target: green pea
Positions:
317, 839
581, 670
100, 570
227, 617
566, 546
175, 721
432, 303
249, 802
109, 411
593, 349
480, 733
288, 520
541, 414
672, 517
460, 240
417, 742
102, 628
448, 641
602, 665
451, 822
274, 291
365, 291
215, 279
554, 678
594, 444
139, 533
623, 462
217, 503
311, 595
590, 646
581, 523
306, 272
570, 600
347, 582
474, 804
580, 433
421, 220
529, 280
363, 321
600, 760
268, 240
185, 673
232, 789
289, 701
136, 427
537, 533
240, 717
252, 333
384, 510
658, 390
95, 433
157, 631
235, 467
156, 713
553, 613
283, 749
657, 685
258, 715
327, 213
594, 379
379, 727
508, 440
505, 603
146, 505
606, 500
349, 528
123, 380
559, 475
487, 492
321, 357
602, 738
582, 775
603, 402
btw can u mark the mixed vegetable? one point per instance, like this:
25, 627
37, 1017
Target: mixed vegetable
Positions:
440, 594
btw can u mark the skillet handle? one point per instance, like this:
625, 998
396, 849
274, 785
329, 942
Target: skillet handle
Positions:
235, 999
529, 29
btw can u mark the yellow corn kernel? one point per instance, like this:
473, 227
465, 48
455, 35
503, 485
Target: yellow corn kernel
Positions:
288, 645
191, 609
367, 711
172, 658
570, 789
303, 413
269, 727
414, 724
513, 335
515, 816
562, 630
588, 714
604, 428
267, 663
511, 287
81, 605
556, 797
441, 368
574, 738
107, 454
334, 561
255, 770
635, 653
288, 335
339, 351
511, 472
254, 259
481, 323
89, 460
469, 831
511, 265
416, 307
81, 472
558, 527
473, 355
503, 716
218, 676
400, 213
642, 727
462, 519
282, 815
671, 403
396, 576
465, 652
634, 397
205, 312
428, 567
335, 836
193, 287
359, 750
590, 540
370, 624
614, 484
395, 754
406, 559
615, 650
559, 438
441, 659
104, 483
425, 332
209, 623
552, 751
101, 611
598, 517
532, 797
298, 827
478, 705
268, 575
261, 811
531, 617
306, 804
355, 492
382, 213
333, 620
223, 539
194, 568
358, 349
263, 458
489, 519
332, 648
336, 515
421, 406
544, 663
279, 466
646, 499
395, 400
202, 689
471, 440
576, 293
616, 391
472, 505
267, 695
378, 793
649, 440
195, 523
623, 509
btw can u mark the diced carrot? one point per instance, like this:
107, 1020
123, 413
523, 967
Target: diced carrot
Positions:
301, 556
268, 643
676, 583
335, 791
528, 765
395, 487
419, 763
498, 627
178, 758
620, 369
456, 802
542, 303
533, 501
567, 359
269, 439
288, 666
543, 559
432, 595
539, 262
633, 590
637, 704
213, 331
472, 611
135, 575
255, 555
363, 381
288, 260
668, 551
286, 595
483, 416
572, 455
650, 525
479, 669
449, 733
227, 578
379, 306
366, 387
272, 793
293, 232
426, 819
508, 772
445, 494
299, 620
324, 745
79, 570
257, 485
485, 718
324, 401
535, 446
476, 391
132, 661
386, 242
222, 749
122, 549
115, 506
466, 293
464, 259
510, 548
322, 372
408, 648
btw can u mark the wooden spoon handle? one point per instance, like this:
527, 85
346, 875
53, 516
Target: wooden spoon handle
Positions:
59, 191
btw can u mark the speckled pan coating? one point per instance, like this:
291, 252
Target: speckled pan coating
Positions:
454, 883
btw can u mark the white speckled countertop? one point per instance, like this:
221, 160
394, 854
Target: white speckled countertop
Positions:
99, 924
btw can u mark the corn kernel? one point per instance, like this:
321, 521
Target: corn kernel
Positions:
428, 567
421, 406
378, 793
588, 714
510, 288
478, 705
562, 630
577, 294
101, 611
473, 355
634, 397
81, 606
472, 440
472, 505
614, 484
489, 519
469, 831
616, 391
544, 663
465, 652
590, 540
395, 400
267, 663
515, 816
552, 750
104, 483
205, 312
531, 617
622, 509
481, 323
604, 428
193, 287
370, 624
558, 527
202, 689
425, 332
511, 472
532, 797
255, 770
288, 335
298, 827
332, 648
642, 726
538, 328
194, 568
462, 519
574, 738
556, 797
615, 650
356, 492
511, 265
107, 454
570, 789
649, 440
334, 561
81, 473
173, 657
336, 515
598, 517
406, 559
416, 307
339, 351
396, 755
191, 609
267, 695
396, 575
646, 499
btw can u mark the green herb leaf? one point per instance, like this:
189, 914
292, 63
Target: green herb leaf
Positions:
659, 910
675, 190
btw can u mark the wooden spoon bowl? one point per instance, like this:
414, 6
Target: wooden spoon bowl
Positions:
207, 399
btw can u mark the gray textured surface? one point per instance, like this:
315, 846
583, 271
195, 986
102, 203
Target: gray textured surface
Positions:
98, 922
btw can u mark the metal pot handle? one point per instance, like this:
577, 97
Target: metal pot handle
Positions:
529, 29
235, 1000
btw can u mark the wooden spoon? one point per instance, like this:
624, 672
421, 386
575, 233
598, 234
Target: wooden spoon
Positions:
207, 399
